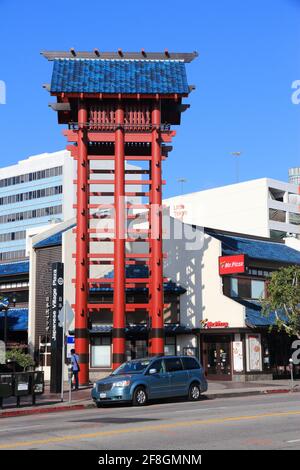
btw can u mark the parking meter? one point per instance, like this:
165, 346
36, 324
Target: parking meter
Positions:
70, 373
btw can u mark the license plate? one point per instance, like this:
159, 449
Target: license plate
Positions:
102, 395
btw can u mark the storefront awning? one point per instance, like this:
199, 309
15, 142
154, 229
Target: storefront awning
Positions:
17, 319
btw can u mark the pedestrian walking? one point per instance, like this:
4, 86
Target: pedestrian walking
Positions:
75, 368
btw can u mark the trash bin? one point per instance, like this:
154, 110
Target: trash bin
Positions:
6, 387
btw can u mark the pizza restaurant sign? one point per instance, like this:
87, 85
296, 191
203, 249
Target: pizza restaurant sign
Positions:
214, 324
232, 264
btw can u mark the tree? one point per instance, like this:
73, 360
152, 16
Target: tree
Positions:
283, 299
23, 360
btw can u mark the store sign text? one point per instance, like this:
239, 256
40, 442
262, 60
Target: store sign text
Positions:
232, 264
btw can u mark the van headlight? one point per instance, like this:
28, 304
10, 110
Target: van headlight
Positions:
121, 383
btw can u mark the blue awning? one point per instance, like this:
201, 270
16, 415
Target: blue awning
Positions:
268, 250
17, 319
11, 269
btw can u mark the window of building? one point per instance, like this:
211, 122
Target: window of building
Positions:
277, 234
257, 289
276, 194
277, 215
32, 214
37, 194
294, 218
246, 288
170, 346
234, 288
101, 351
48, 173
7, 237
10, 255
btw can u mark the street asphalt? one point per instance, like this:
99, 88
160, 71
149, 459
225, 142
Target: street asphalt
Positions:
255, 422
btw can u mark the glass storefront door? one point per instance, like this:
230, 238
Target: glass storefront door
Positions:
136, 349
217, 354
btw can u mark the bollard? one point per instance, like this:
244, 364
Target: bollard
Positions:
291, 366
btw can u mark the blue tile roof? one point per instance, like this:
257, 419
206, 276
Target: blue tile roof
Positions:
53, 240
17, 319
168, 328
10, 269
119, 76
139, 271
258, 249
255, 317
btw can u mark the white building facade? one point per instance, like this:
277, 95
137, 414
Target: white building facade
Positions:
262, 207
33, 193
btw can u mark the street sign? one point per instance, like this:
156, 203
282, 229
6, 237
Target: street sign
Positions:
56, 334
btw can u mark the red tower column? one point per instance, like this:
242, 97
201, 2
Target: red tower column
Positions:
82, 247
119, 243
156, 258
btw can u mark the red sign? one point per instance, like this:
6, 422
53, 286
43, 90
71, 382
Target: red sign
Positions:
217, 324
232, 264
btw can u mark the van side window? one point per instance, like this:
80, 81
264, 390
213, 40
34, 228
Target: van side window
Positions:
190, 363
158, 365
173, 364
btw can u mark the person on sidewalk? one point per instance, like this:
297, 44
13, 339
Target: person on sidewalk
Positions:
75, 367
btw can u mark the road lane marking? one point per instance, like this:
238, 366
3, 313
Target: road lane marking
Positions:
157, 427
21, 428
295, 440
202, 409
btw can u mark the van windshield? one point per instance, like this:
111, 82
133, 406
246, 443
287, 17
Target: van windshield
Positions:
132, 367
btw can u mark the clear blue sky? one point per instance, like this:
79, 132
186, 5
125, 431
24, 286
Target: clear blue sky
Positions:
249, 55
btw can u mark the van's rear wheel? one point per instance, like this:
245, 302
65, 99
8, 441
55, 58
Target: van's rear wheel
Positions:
140, 397
194, 392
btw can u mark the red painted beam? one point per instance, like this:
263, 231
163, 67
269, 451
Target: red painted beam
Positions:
156, 290
82, 248
134, 137
119, 321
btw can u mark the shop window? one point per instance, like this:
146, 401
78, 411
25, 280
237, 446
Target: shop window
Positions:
170, 346
101, 351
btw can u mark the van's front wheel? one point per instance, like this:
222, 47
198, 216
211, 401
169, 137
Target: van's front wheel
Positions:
140, 397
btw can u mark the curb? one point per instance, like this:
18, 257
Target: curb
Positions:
52, 409
212, 396
78, 407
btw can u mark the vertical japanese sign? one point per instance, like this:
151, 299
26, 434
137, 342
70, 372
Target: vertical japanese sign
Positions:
56, 331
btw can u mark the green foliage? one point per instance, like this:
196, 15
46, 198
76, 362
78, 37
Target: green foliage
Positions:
283, 298
17, 355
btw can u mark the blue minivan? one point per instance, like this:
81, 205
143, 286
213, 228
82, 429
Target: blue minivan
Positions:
141, 380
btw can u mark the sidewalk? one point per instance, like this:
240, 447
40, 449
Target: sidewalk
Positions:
50, 402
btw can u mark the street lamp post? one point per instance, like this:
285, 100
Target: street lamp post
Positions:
237, 156
5, 305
